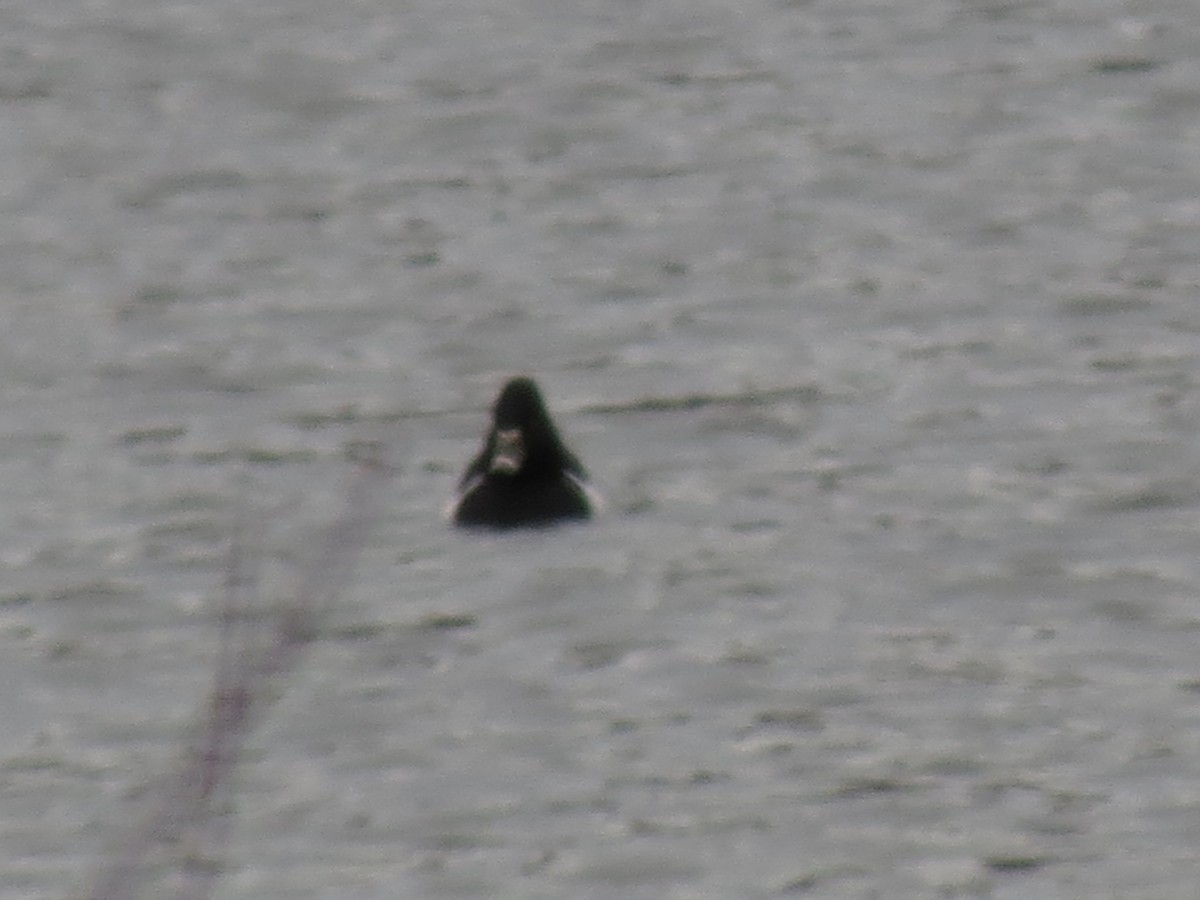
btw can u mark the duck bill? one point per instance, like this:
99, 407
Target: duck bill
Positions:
509, 454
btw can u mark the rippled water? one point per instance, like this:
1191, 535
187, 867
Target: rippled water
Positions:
875, 322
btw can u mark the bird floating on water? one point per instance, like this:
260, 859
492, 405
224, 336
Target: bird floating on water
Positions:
524, 475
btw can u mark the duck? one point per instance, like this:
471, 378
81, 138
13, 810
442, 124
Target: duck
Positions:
524, 476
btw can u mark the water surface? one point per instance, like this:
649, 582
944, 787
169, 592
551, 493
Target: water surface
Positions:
876, 324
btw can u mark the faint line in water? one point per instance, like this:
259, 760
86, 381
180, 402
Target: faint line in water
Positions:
803, 393
183, 806
348, 415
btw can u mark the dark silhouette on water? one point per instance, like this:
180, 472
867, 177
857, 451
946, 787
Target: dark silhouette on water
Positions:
524, 476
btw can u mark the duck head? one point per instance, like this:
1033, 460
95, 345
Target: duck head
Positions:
523, 440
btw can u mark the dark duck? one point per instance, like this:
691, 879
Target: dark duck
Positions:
524, 477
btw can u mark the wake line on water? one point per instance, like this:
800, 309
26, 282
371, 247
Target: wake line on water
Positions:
183, 830
798, 393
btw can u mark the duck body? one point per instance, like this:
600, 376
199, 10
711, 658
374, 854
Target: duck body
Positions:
524, 476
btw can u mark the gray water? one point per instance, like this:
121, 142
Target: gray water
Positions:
875, 322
